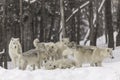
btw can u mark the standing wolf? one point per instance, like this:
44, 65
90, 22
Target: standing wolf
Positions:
32, 57
88, 54
50, 48
15, 50
92, 55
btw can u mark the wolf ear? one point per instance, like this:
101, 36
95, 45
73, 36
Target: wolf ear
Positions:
12, 38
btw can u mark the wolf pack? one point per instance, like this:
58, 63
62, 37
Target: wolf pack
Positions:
62, 54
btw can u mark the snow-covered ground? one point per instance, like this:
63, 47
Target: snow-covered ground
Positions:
109, 71
86, 73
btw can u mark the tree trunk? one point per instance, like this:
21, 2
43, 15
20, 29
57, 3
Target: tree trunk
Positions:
118, 25
108, 21
21, 22
62, 22
73, 29
42, 22
92, 30
27, 31
78, 26
4, 38
51, 28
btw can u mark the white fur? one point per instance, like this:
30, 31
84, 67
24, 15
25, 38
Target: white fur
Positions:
32, 57
68, 53
61, 47
15, 50
50, 48
100, 54
92, 55
61, 63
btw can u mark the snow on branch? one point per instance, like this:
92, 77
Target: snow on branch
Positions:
94, 20
87, 35
101, 6
99, 9
2, 51
75, 11
31, 1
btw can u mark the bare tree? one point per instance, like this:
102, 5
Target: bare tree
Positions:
62, 22
118, 25
92, 30
42, 22
108, 21
4, 45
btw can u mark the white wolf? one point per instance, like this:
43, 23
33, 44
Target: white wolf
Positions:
88, 54
54, 49
92, 55
15, 50
50, 47
65, 41
100, 54
32, 57
61, 45
61, 63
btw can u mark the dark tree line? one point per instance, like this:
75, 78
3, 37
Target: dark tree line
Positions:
48, 19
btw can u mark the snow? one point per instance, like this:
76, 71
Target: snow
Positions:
31, 1
100, 41
109, 71
97, 73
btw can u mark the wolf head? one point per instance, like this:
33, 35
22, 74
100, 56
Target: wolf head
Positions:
72, 45
65, 41
52, 48
107, 52
15, 43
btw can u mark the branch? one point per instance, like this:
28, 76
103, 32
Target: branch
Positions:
75, 11
2, 51
99, 9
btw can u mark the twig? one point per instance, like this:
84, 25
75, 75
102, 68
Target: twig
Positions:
75, 11
2, 51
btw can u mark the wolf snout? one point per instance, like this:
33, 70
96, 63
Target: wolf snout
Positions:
112, 57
